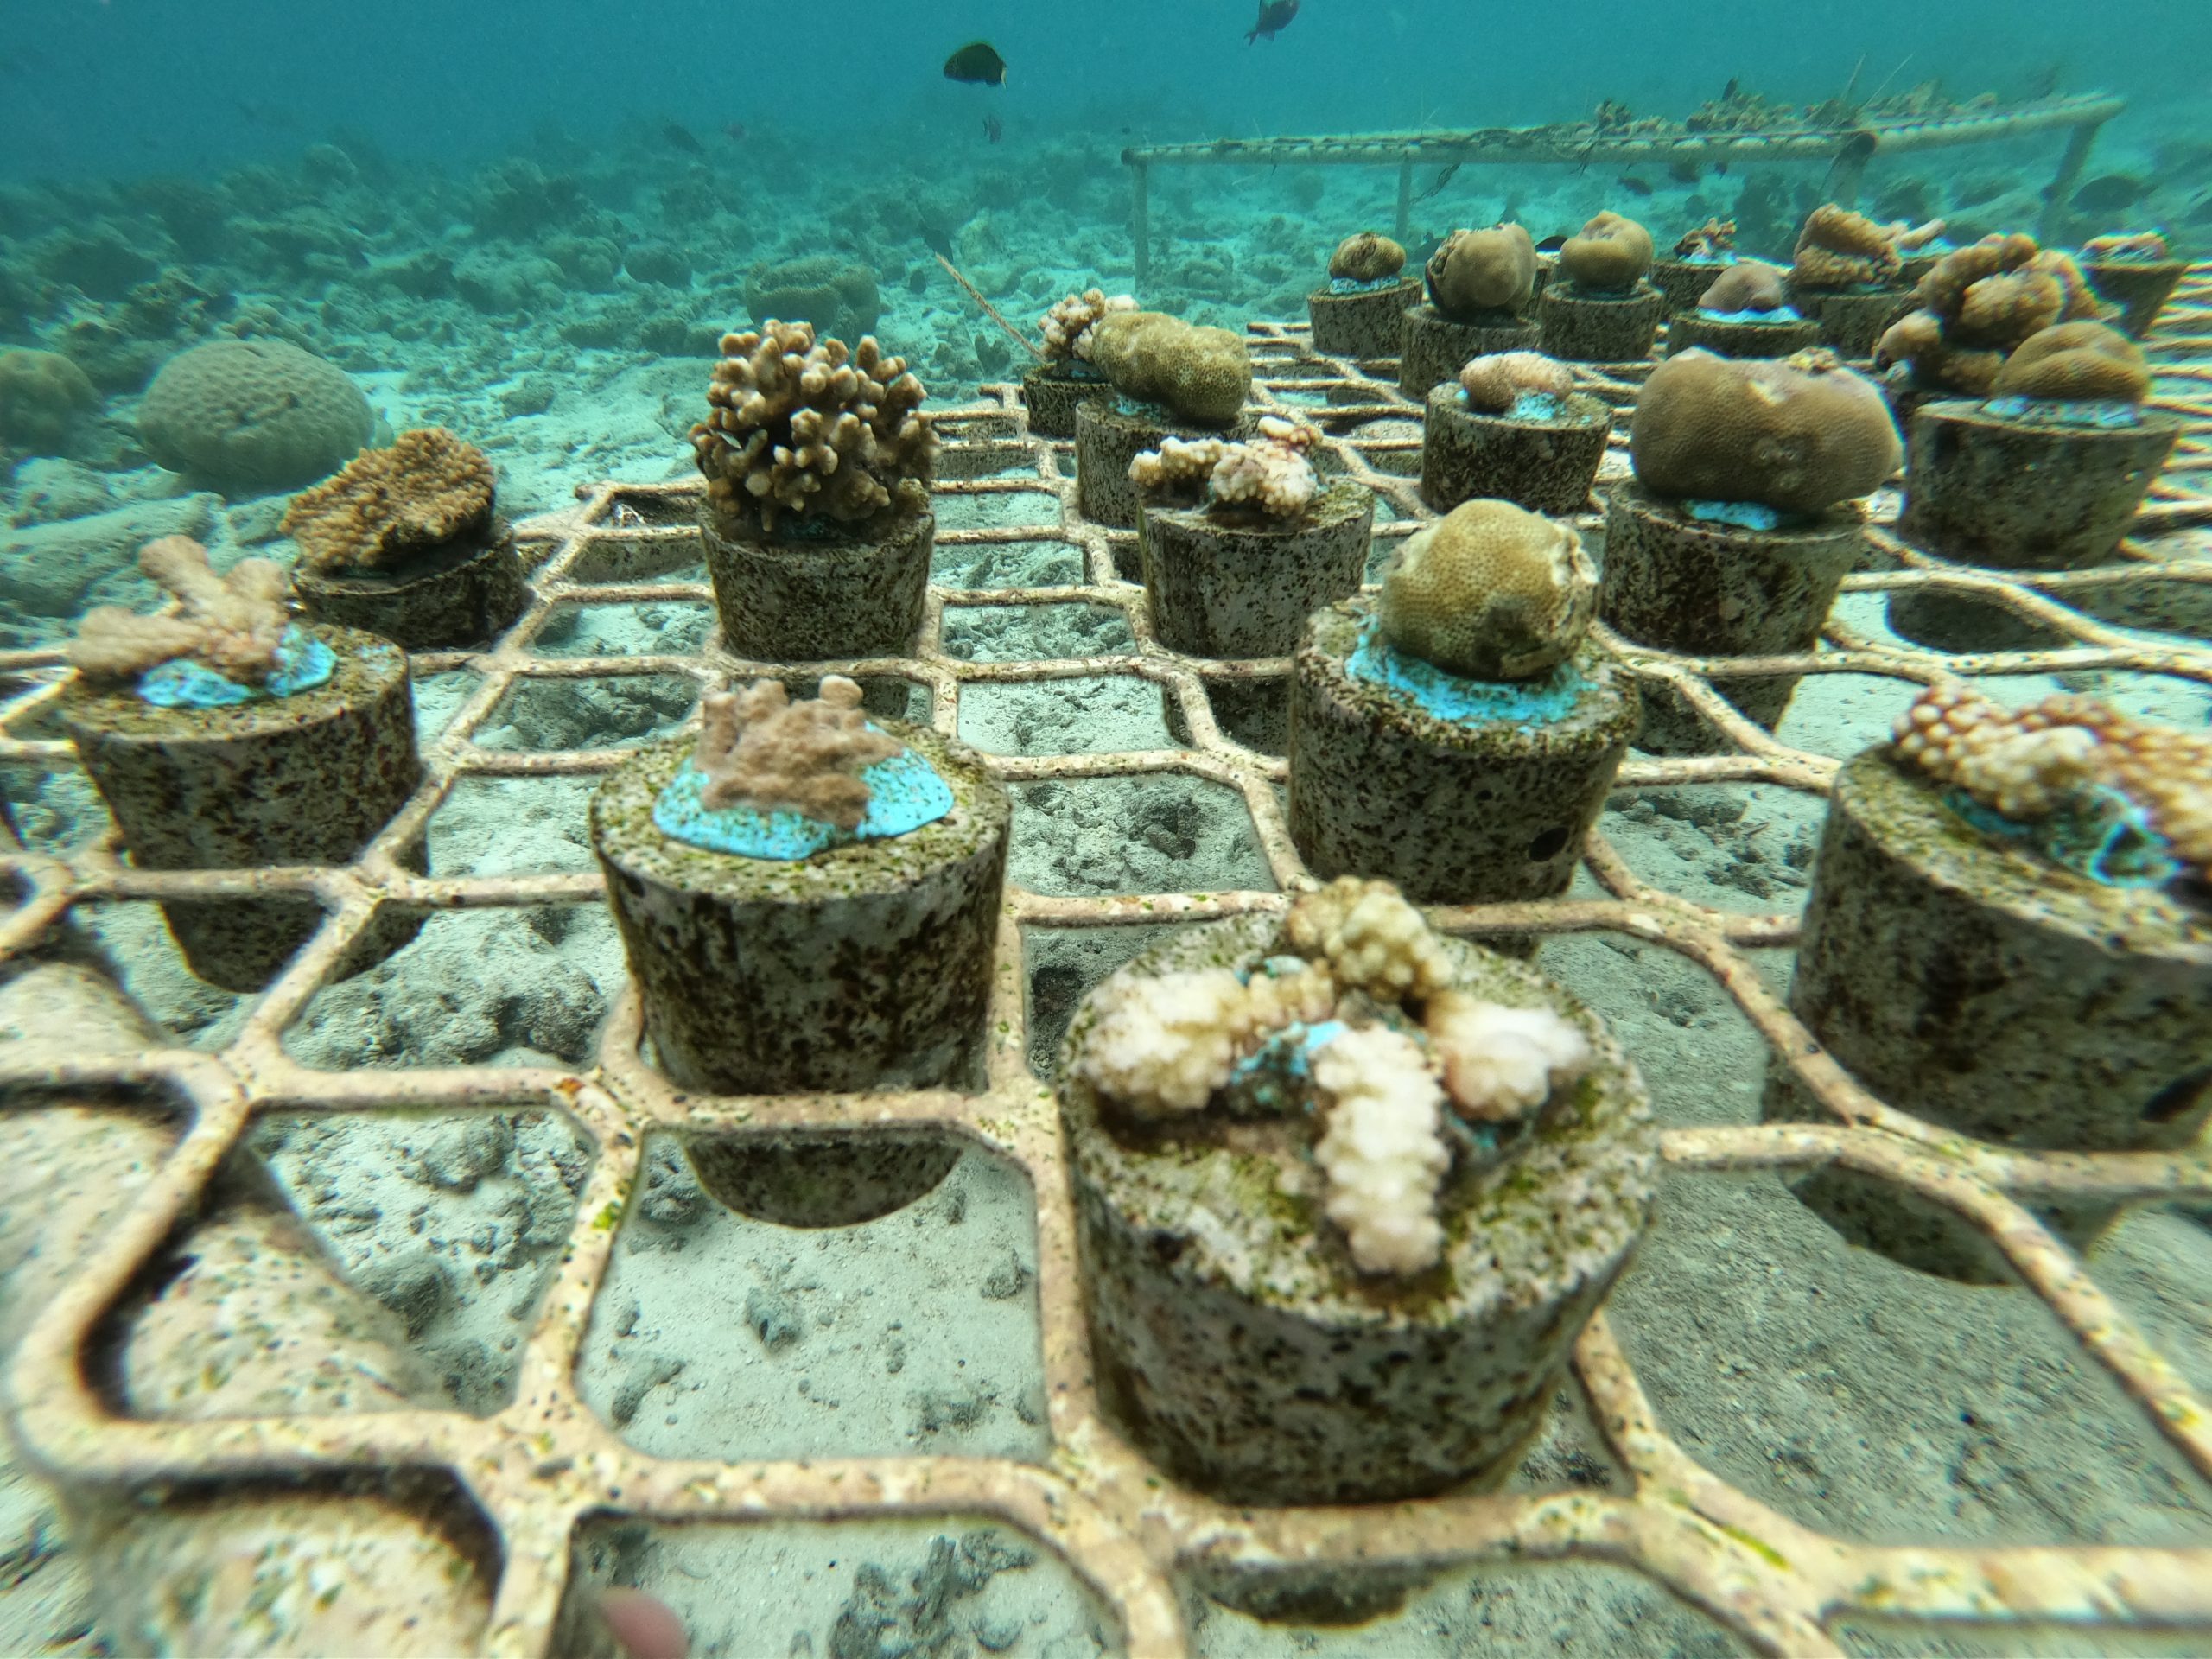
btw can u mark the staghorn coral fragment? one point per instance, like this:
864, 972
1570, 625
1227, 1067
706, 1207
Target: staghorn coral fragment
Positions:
1163, 1046
1494, 381
758, 749
232, 624
1066, 327
1383, 1152
1611, 255
1489, 591
800, 428
387, 505
1798, 434
1367, 257
1370, 937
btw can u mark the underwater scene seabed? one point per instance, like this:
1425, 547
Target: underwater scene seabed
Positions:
1424, 890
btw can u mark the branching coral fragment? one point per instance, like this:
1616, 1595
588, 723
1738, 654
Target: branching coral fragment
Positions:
1066, 327
1268, 473
232, 624
760, 750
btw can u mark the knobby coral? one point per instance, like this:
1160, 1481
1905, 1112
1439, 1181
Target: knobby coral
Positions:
1799, 434
1489, 591
758, 749
1978, 305
1495, 380
389, 505
2026, 764
802, 427
1167, 1047
1611, 255
1838, 248
1066, 327
232, 624
1270, 474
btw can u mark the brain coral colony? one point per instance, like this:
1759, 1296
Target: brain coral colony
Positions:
1239, 542
224, 735
1361, 311
818, 462
1458, 736
1512, 426
1173, 381
2030, 446
1600, 310
809, 901
1065, 378
1480, 284
2009, 934
403, 543
1346, 1193
1739, 528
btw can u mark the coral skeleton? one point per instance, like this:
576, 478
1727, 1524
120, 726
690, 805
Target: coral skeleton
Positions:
1387, 1087
2026, 764
1270, 474
428, 490
232, 624
802, 427
758, 749
1066, 327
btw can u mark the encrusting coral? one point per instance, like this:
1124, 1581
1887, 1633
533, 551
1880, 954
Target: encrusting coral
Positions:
2026, 764
387, 505
1497, 380
1367, 257
1978, 305
1386, 1088
1066, 327
758, 749
232, 624
1270, 474
1748, 285
1489, 591
1797, 434
1838, 248
1474, 273
1202, 376
803, 428
2076, 362
1611, 255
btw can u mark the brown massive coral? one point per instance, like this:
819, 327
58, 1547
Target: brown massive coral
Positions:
1838, 248
1798, 434
1978, 305
1610, 254
1474, 273
800, 428
758, 749
388, 506
232, 624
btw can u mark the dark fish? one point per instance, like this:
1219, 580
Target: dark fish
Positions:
1551, 244
1728, 93
682, 138
1634, 187
735, 131
934, 239
993, 131
1275, 17
1683, 170
2111, 193
978, 64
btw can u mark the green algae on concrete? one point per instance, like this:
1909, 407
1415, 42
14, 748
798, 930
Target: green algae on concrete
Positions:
1437, 347
818, 594
308, 778
1979, 987
1706, 589
1544, 465
1577, 327
1366, 324
1243, 585
462, 592
1237, 1344
1454, 812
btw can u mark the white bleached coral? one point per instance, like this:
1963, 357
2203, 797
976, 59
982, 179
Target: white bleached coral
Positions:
1066, 327
1164, 1045
1371, 939
1384, 1151
1500, 1064
1271, 474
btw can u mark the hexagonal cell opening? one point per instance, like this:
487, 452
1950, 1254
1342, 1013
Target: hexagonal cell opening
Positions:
1022, 633
1061, 967
1164, 833
994, 509
491, 825
438, 697
52, 809
976, 566
943, 1585
607, 713
718, 1333
651, 508
509, 985
655, 628
668, 555
1095, 714
986, 459
1739, 847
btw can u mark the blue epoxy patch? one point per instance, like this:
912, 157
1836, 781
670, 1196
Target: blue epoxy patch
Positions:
906, 793
2094, 414
1353, 285
1711, 258
1537, 406
1744, 515
2105, 836
303, 662
1524, 703
1780, 314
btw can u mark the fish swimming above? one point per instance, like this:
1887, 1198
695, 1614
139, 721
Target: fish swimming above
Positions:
978, 64
1275, 16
